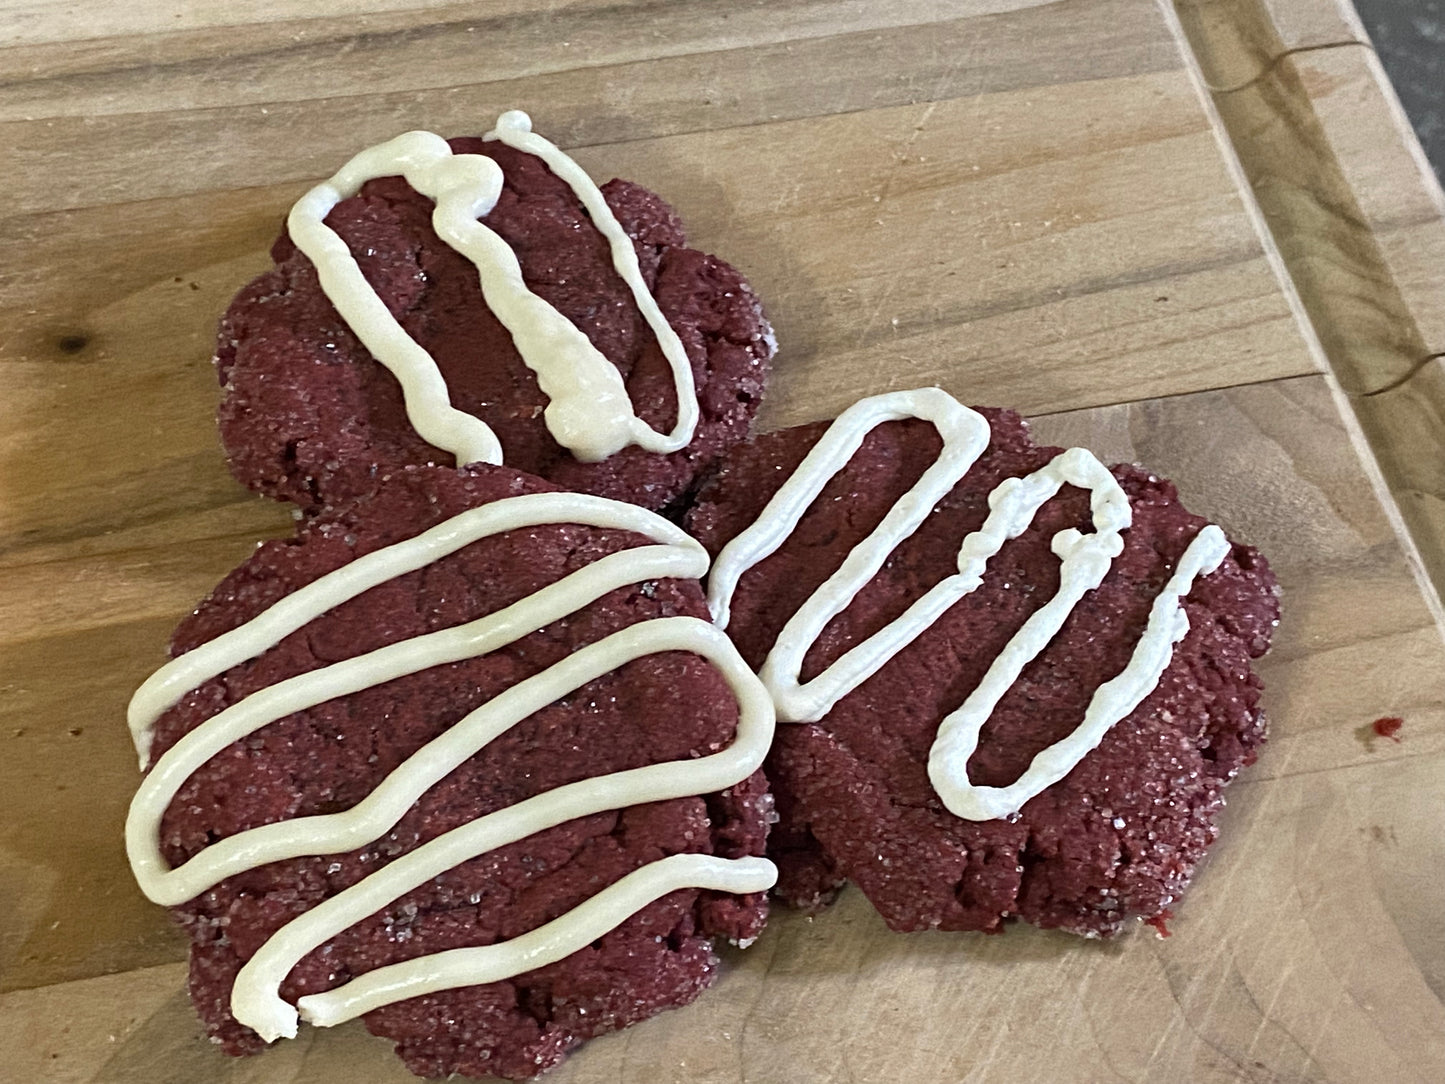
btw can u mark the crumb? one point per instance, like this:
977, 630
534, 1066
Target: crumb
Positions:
1388, 726
1160, 922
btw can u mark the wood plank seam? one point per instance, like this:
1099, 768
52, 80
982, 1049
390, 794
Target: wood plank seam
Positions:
1349, 297
1407, 377
1279, 59
1249, 36
1309, 948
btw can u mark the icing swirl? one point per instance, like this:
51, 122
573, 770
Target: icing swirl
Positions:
255, 998
589, 412
1013, 504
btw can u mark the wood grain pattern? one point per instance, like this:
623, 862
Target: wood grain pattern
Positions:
1399, 197
1027, 203
1359, 220
1311, 24
1244, 39
228, 109
1333, 255
1308, 950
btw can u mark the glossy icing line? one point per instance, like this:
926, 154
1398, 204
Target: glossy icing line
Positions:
545, 945
168, 684
1013, 504
589, 411
374, 816
514, 128
429, 166
1113, 700
965, 435
255, 1000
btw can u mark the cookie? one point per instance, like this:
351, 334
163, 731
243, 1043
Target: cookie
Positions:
529, 743
562, 348
1061, 816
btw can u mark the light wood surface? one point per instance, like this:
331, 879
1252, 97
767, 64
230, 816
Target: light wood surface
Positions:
1030, 204
1238, 41
1396, 190
1359, 219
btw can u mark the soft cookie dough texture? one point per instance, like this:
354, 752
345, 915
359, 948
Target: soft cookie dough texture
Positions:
308, 415
669, 706
1121, 834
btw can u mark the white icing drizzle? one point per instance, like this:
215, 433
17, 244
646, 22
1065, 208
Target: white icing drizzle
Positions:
514, 128
420, 157
1013, 504
544, 945
590, 413
255, 1000
965, 435
381, 809
168, 684
1113, 700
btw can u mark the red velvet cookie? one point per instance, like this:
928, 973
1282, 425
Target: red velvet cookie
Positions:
1121, 834
659, 707
307, 414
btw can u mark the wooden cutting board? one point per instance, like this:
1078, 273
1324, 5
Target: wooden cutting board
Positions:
1197, 237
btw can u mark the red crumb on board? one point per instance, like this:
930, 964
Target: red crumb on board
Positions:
1388, 726
1159, 922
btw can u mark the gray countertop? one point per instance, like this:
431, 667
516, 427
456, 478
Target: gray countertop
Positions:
1409, 36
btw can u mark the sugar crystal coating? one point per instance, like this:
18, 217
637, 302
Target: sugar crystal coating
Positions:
307, 415
668, 706
1122, 833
